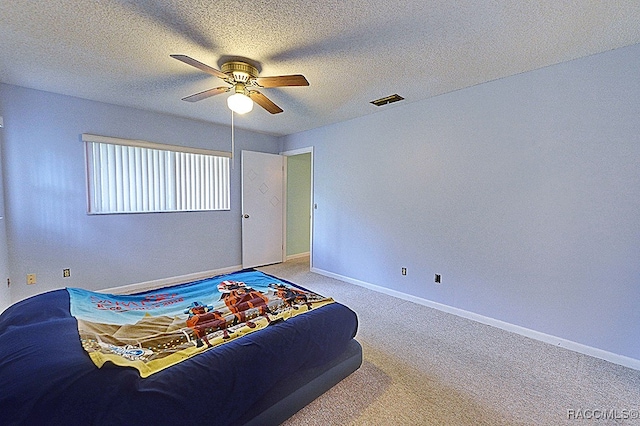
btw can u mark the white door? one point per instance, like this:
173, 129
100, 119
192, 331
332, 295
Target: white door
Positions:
262, 208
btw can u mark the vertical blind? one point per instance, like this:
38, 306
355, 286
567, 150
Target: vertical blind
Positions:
125, 176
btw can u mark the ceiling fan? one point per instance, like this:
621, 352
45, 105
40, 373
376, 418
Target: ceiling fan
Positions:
244, 81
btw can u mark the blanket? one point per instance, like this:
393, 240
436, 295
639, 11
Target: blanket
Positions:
154, 330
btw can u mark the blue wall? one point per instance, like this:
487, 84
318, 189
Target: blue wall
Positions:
5, 293
44, 183
524, 193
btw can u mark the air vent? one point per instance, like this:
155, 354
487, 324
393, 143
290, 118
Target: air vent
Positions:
387, 100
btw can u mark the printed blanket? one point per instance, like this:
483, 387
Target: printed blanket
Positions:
153, 330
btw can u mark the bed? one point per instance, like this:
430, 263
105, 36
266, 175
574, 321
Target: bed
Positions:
232, 374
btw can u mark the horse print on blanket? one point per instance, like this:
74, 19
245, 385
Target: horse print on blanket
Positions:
153, 330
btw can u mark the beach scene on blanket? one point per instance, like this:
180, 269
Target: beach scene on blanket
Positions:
154, 330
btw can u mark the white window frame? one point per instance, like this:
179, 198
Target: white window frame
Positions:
134, 176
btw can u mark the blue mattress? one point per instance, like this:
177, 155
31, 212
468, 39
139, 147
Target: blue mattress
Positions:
46, 377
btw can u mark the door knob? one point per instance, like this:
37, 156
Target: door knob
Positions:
246, 216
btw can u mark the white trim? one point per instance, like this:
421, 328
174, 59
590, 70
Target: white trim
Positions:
87, 137
298, 256
533, 334
167, 282
297, 151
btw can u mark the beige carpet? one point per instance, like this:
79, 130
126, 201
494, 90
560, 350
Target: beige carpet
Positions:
426, 367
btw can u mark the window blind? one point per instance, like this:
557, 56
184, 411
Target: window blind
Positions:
130, 176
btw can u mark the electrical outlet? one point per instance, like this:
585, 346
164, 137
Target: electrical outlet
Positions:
31, 278
404, 271
438, 279
66, 273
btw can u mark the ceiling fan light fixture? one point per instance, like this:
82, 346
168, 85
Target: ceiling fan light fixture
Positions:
239, 103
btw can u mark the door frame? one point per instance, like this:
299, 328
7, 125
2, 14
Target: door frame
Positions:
291, 153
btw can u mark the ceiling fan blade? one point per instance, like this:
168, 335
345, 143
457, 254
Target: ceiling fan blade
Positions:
202, 67
282, 81
264, 102
206, 94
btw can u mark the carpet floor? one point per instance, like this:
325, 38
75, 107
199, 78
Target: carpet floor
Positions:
426, 367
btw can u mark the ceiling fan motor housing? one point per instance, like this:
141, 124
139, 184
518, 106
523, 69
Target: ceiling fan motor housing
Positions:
241, 71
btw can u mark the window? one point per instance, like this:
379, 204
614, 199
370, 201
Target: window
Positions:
131, 176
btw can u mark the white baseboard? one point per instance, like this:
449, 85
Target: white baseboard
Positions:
533, 334
165, 282
297, 256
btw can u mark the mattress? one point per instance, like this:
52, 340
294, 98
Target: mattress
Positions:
47, 377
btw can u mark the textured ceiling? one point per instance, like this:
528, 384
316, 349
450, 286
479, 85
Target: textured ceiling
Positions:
352, 52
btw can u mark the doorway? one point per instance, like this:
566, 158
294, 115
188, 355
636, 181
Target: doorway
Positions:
299, 204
